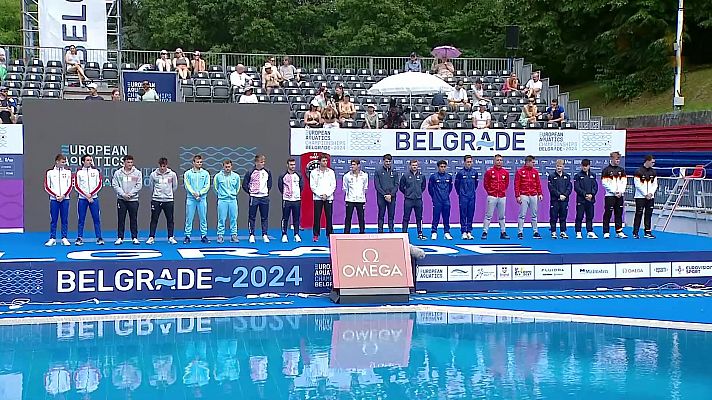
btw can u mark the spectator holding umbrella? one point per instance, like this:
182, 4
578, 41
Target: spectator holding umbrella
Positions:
442, 67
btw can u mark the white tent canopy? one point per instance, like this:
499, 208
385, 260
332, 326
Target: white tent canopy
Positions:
409, 84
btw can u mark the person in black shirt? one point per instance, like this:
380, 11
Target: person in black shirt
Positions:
93, 95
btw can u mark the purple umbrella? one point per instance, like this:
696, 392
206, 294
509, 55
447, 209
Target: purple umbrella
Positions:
446, 52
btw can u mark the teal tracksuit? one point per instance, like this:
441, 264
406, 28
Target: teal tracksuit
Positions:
226, 187
196, 182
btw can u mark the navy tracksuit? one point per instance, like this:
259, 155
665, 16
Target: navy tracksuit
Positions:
585, 183
386, 182
559, 209
439, 187
412, 186
466, 182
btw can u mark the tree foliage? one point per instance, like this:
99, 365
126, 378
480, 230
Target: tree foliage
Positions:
10, 24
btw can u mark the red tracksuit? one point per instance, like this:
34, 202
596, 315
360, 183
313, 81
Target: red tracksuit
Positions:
527, 182
496, 182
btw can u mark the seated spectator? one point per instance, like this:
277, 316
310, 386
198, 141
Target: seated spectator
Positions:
181, 64
269, 60
478, 92
321, 98
3, 57
338, 93
529, 112
312, 118
3, 64
330, 117
533, 86
443, 68
512, 83
74, 64
115, 94
413, 65
371, 120
555, 112
287, 71
149, 93
481, 119
93, 95
270, 78
8, 107
457, 97
239, 80
394, 118
347, 110
248, 97
438, 100
198, 64
163, 64
433, 121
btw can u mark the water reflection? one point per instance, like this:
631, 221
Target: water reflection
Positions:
371, 356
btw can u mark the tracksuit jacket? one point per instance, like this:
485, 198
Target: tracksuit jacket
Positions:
386, 181
226, 186
412, 185
58, 182
646, 182
466, 182
439, 187
322, 183
585, 183
291, 186
196, 182
496, 182
164, 185
614, 180
257, 182
558, 185
88, 182
127, 183
527, 182
355, 187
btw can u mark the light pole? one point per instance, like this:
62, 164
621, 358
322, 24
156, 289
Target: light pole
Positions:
678, 101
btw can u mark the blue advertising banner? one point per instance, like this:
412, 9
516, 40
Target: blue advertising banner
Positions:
165, 84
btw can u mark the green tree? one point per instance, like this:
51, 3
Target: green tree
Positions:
10, 23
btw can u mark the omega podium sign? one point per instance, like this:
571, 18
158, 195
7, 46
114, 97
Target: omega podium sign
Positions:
372, 268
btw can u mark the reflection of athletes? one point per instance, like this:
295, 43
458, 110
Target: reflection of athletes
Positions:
57, 380
197, 372
227, 367
126, 375
290, 184
164, 371
87, 378
87, 183
58, 184
290, 362
258, 368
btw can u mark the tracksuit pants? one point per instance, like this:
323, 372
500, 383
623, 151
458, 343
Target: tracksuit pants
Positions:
613, 207
95, 210
644, 211
227, 210
58, 209
191, 204
530, 203
467, 213
130, 207
261, 204
384, 205
500, 204
584, 208
410, 205
558, 211
156, 208
328, 207
350, 205
441, 210
293, 209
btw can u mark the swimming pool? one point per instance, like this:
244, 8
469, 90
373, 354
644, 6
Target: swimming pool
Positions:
420, 355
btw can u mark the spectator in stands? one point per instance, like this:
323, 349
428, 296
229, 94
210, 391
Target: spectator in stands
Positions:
371, 120
239, 80
163, 64
555, 112
312, 118
443, 68
288, 71
197, 64
458, 97
269, 60
512, 83
8, 107
413, 64
270, 78
149, 93
481, 119
181, 64
248, 97
438, 100
533, 86
346, 109
395, 118
478, 92
93, 95
330, 117
321, 98
338, 93
529, 112
74, 64
115, 94
3, 57
433, 121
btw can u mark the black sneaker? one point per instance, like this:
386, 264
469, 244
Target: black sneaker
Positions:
79, 242
484, 236
636, 236
536, 235
422, 237
504, 235
649, 235
205, 240
520, 235
186, 240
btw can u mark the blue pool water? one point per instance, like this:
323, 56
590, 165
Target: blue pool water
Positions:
351, 356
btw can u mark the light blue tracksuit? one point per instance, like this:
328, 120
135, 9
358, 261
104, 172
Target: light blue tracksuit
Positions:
196, 182
226, 187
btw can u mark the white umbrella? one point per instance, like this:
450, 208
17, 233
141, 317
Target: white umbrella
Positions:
409, 84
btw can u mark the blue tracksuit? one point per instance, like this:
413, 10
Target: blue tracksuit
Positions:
412, 185
559, 209
196, 182
439, 187
466, 182
226, 187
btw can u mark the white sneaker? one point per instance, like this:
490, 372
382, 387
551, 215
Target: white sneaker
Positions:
265, 238
469, 236
621, 235
135, 241
150, 241
172, 240
252, 238
579, 235
448, 236
591, 235
65, 242
434, 236
118, 241
284, 239
464, 236
297, 238
51, 242
606, 235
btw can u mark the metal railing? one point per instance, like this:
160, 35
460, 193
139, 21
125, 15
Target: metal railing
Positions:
697, 196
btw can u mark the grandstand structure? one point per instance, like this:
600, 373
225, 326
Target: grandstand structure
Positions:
30, 76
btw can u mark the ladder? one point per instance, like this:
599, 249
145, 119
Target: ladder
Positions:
685, 183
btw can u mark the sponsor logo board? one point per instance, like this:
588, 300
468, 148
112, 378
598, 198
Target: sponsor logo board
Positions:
552, 272
459, 273
593, 271
633, 270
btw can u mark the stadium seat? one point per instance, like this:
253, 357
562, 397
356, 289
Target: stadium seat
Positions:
51, 94
203, 91
315, 71
497, 125
250, 70
36, 62
14, 77
514, 125
291, 85
221, 93
349, 71
201, 75
349, 124
568, 125
15, 69
110, 72
533, 125
52, 85
17, 62
504, 72
216, 68
278, 99
54, 64
551, 125
333, 71
32, 85
53, 78
188, 93
380, 73
30, 93
92, 70
128, 66
216, 74
363, 72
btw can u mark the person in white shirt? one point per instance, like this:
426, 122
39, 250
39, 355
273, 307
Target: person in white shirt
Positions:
355, 184
248, 97
290, 184
322, 182
58, 184
481, 119
533, 86
164, 64
239, 80
87, 182
457, 97
149, 93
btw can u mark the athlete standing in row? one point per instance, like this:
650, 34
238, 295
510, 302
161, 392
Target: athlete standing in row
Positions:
58, 184
87, 182
291, 184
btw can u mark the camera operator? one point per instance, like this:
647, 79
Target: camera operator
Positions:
395, 119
